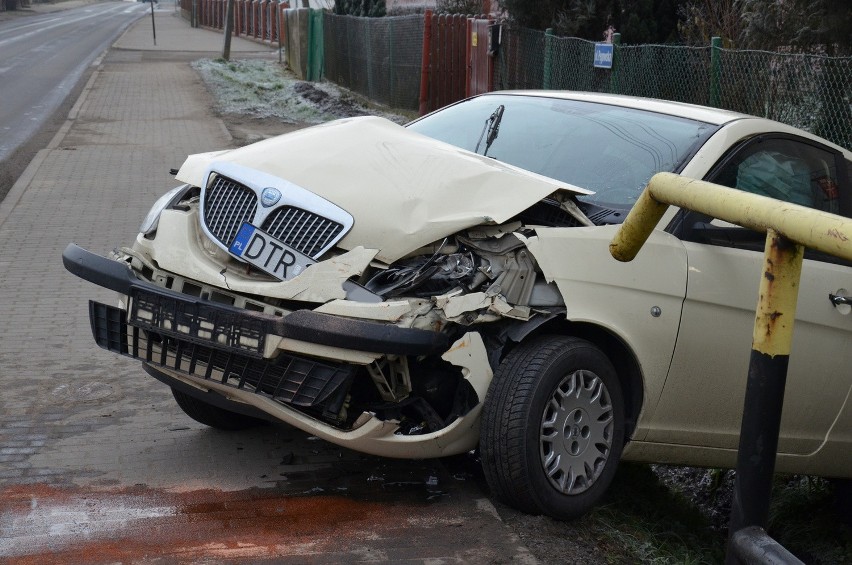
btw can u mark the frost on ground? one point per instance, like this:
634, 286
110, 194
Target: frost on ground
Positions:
265, 90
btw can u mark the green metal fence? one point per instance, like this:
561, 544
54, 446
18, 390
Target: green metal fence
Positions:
379, 58
807, 91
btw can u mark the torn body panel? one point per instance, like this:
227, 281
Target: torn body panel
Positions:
368, 432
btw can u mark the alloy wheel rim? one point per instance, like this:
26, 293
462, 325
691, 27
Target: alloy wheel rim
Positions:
576, 432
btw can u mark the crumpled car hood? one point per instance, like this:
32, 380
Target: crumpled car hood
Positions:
405, 190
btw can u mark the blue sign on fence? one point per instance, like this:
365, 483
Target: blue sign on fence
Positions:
603, 55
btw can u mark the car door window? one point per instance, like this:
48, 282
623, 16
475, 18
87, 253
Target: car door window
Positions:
784, 168
788, 170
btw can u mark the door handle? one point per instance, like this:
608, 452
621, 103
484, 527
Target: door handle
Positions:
838, 300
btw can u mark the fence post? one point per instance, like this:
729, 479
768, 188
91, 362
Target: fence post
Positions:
716, 72
369, 58
390, 61
315, 45
468, 54
613, 77
424, 64
320, 44
547, 79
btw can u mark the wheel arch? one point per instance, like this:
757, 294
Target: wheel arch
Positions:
619, 353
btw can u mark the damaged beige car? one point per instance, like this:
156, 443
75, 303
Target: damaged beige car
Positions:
427, 290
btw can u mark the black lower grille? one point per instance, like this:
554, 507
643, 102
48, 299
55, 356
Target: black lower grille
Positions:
287, 378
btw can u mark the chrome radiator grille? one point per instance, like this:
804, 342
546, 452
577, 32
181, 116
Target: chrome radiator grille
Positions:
304, 231
228, 204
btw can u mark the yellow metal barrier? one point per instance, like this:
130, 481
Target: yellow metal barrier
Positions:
814, 229
789, 229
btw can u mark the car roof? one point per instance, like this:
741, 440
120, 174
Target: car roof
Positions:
705, 114
714, 116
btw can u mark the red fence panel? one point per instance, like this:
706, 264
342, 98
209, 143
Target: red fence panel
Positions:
273, 21
447, 64
258, 21
480, 76
246, 17
456, 60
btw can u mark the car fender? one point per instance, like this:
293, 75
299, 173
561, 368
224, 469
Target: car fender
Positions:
639, 302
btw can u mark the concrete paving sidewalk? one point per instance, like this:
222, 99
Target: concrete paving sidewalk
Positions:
97, 463
175, 35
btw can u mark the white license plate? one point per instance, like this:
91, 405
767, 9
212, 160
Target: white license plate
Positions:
268, 254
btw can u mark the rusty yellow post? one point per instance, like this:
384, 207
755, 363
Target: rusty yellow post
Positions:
767, 378
789, 228
778, 295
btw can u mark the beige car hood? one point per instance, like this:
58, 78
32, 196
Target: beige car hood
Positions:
405, 190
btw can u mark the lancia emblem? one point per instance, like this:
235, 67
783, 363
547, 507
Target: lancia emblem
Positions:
270, 196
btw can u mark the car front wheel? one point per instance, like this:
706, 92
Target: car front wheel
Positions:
552, 427
213, 416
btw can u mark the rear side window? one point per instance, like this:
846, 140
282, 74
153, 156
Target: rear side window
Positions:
784, 168
788, 170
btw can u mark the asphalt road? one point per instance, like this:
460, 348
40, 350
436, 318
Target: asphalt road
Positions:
42, 59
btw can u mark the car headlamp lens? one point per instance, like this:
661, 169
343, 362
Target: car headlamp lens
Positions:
172, 197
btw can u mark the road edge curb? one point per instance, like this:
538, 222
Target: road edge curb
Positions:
10, 201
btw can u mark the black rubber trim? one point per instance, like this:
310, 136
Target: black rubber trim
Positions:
210, 397
327, 329
99, 270
302, 325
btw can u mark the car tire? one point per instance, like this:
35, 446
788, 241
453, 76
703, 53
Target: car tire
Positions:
552, 427
214, 416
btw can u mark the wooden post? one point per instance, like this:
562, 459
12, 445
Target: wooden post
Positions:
229, 19
425, 62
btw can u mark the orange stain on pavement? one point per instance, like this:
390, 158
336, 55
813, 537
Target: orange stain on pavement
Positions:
48, 525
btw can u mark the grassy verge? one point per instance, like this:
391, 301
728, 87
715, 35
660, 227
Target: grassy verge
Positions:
649, 518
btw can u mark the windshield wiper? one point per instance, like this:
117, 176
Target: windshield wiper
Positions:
492, 126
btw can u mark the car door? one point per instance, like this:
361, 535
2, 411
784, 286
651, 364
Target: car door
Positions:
702, 399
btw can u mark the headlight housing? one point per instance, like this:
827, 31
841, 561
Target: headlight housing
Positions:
172, 197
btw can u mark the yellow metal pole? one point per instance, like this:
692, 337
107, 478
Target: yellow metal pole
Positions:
767, 378
817, 230
778, 295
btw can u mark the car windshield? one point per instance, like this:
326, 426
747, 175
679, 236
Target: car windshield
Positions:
611, 150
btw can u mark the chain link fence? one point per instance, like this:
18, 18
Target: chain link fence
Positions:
681, 74
806, 91
379, 58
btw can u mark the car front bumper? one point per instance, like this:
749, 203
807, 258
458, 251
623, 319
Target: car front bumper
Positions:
302, 325
235, 353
